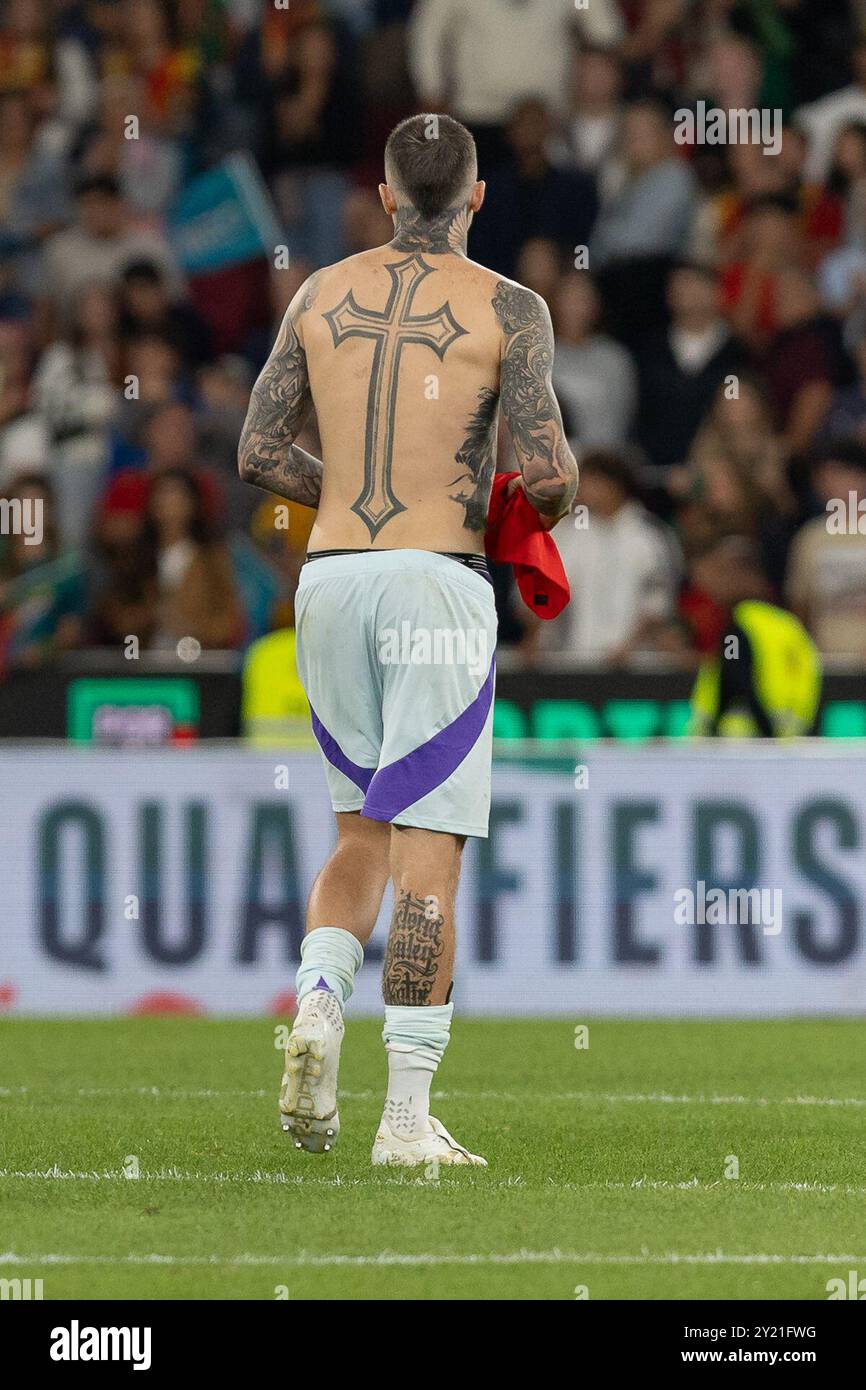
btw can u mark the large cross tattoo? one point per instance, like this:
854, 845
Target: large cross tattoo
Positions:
391, 329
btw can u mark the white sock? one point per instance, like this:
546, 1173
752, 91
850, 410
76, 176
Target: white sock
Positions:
415, 1039
330, 958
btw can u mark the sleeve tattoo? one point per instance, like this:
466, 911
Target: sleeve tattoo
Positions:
528, 402
280, 400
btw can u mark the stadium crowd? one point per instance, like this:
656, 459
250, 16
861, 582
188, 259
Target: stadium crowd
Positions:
709, 300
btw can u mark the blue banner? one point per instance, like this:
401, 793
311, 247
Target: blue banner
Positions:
224, 218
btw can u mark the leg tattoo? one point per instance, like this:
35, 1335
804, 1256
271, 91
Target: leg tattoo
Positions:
415, 944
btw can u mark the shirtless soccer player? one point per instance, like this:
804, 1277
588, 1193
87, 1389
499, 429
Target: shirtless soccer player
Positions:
406, 352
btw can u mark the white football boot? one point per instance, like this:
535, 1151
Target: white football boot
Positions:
308, 1095
432, 1144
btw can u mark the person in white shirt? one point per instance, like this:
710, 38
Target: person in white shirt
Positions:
100, 243
823, 120
622, 564
594, 376
652, 213
478, 58
594, 120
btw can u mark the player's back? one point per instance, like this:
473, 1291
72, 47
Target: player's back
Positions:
407, 352
403, 356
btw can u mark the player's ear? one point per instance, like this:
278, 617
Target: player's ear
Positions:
477, 196
389, 202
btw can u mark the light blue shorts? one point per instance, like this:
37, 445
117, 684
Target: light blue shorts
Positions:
395, 650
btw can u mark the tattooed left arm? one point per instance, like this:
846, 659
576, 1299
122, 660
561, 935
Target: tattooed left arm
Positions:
267, 453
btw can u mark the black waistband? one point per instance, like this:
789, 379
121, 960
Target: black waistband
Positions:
478, 563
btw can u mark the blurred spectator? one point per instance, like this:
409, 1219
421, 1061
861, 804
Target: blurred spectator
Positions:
644, 225
539, 266
651, 214
733, 70
771, 242
15, 303
757, 180
805, 360
147, 308
764, 677
478, 61
654, 28
847, 179
42, 591
309, 140
738, 470
274, 707
169, 439
846, 418
123, 588
594, 376
826, 581
528, 198
622, 566
75, 393
594, 117
25, 44
682, 368
842, 274
36, 542
167, 62
101, 242
23, 437
223, 396
197, 595
823, 119
281, 531
34, 198
147, 168
366, 224
813, 42
740, 426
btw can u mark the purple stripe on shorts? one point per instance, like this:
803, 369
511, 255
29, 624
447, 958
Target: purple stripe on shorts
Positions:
361, 776
404, 782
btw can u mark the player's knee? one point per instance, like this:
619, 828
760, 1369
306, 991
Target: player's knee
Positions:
418, 855
366, 842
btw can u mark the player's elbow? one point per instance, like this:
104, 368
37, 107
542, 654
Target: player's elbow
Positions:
245, 462
552, 489
568, 477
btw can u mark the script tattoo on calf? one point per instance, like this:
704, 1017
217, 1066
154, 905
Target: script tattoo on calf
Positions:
278, 405
412, 956
528, 401
477, 457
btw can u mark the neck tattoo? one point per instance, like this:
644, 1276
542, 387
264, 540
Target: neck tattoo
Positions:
445, 233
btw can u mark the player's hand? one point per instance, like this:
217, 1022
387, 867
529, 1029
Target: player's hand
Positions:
547, 522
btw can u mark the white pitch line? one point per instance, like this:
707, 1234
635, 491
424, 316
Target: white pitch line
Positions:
648, 1098
387, 1258
720, 1185
497, 1097
517, 1183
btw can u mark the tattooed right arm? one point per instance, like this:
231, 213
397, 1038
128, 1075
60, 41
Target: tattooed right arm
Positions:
547, 465
267, 453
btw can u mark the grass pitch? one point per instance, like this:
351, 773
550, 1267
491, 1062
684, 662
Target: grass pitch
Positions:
608, 1166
